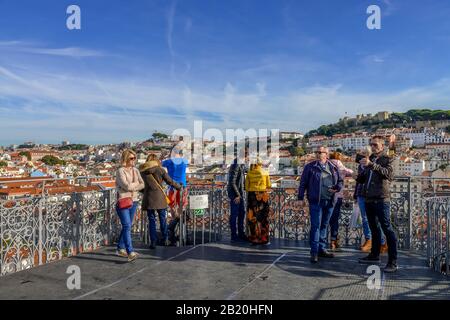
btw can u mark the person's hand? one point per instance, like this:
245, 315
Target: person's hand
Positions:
332, 190
365, 162
237, 200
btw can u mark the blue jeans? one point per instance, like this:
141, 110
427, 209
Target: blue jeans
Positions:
237, 214
379, 216
365, 222
126, 217
334, 220
151, 214
320, 217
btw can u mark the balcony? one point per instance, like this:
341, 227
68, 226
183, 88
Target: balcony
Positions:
76, 228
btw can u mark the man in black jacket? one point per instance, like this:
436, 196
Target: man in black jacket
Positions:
375, 179
236, 177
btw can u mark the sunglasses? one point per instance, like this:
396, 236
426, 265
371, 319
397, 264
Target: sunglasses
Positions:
132, 158
374, 144
320, 152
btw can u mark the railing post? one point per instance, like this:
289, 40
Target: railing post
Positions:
446, 204
181, 217
40, 231
280, 225
108, 217
410, 217
428, 209
78, 221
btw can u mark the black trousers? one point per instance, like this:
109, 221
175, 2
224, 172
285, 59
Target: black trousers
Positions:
379, 217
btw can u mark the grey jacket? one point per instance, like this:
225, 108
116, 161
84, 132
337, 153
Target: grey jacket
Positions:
236, 180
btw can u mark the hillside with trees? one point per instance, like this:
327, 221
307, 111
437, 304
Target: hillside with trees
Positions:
395, 120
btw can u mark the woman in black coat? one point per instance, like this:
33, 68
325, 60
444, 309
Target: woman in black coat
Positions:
154, 199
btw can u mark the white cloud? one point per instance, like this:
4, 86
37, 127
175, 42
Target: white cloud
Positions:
34, 48
80, 107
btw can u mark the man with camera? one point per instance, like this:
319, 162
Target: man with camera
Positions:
321, 181
375, 180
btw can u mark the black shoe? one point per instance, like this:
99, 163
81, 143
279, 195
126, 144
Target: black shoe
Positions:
152, 246
326, 254
369, 259
391, 267
314, 258
243, 238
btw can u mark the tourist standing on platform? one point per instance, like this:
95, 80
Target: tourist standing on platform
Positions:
236, 183
321, 181
257, 184
155, 199
176, 167
129, 182
376, 177
360, 202
336, 158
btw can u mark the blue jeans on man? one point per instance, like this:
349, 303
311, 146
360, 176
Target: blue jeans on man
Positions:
379, 216
162, 214
320, 215
126, 217
237, 218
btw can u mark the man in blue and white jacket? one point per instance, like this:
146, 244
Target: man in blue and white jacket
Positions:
321, 181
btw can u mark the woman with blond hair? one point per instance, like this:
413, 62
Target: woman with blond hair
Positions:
129, 182
256, 184
155, 199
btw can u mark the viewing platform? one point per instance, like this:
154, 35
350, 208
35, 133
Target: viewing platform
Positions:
224, 271
42, 236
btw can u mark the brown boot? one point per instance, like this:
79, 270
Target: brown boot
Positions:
384, 248
334, 245
367, 246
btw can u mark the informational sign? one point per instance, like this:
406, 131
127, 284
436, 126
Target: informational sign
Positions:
289, 184
198, 202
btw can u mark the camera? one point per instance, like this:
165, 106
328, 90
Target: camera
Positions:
359, 157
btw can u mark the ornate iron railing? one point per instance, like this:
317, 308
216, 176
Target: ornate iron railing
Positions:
438, 233
39, 230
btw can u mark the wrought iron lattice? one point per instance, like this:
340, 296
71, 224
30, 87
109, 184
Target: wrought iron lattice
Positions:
39, 230
438, 233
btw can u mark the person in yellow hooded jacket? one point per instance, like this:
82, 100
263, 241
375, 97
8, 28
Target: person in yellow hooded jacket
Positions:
257, 184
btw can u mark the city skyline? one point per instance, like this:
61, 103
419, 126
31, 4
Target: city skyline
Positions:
160, 65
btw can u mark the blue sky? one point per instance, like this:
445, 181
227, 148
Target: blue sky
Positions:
145, 65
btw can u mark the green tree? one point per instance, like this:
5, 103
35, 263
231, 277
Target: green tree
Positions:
3, 164
25, 154
52, 160
159, 136
297, 151
295, 163
74, 147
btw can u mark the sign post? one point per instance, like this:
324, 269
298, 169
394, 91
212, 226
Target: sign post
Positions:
198, 204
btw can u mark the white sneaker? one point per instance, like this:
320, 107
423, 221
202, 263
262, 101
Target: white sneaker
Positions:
122, 253
132, 256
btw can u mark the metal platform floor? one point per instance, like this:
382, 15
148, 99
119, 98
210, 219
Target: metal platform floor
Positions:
225, 271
